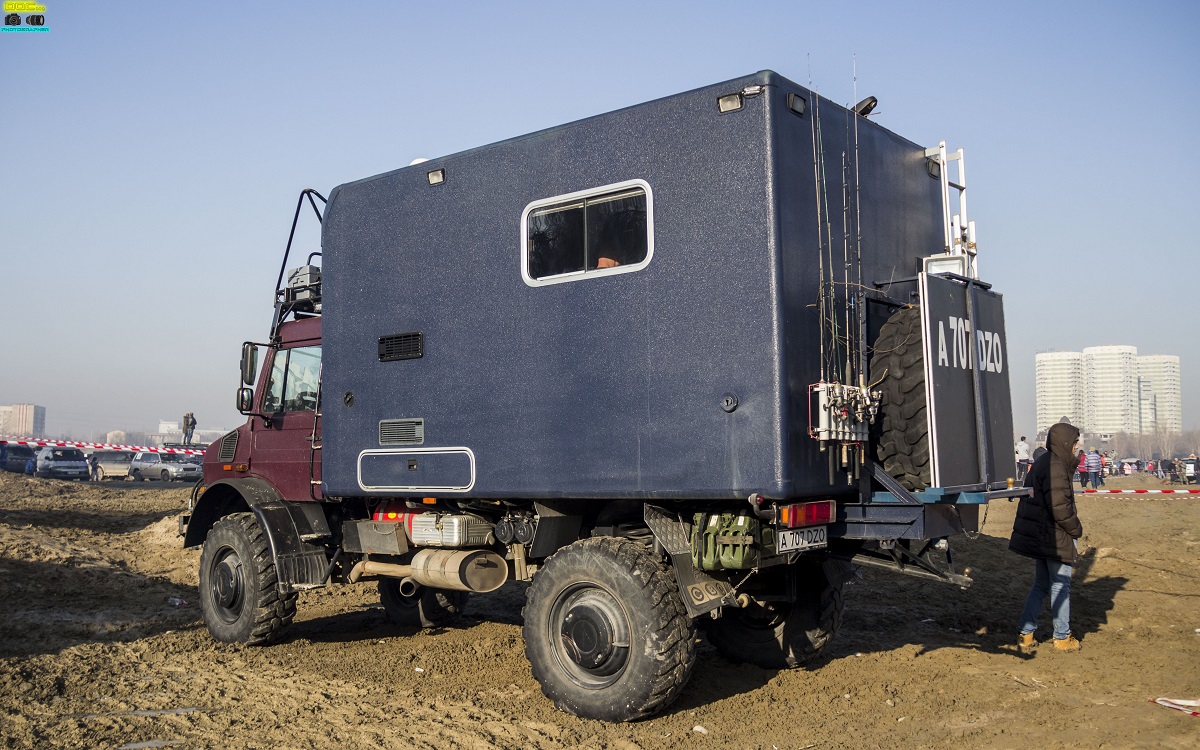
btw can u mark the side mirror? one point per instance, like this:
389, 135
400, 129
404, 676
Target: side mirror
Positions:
245, 400
249, 363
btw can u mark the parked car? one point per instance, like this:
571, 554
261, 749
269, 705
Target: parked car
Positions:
16, 457
113, 464
169, 467
65, 463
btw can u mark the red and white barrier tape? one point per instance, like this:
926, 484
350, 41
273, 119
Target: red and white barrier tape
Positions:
100, 446
1140, 492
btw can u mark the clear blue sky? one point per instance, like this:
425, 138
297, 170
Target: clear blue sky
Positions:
153, 154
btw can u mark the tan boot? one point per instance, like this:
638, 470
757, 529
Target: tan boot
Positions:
1025, 642
1067, 644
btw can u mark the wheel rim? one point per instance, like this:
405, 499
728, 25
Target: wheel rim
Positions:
227, 585
589, 632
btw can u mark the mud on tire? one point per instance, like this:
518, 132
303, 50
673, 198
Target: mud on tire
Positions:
606, 633
902, 444
428, 608
782, 635
239, 597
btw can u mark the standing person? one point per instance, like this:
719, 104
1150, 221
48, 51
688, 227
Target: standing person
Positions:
1021, 449
189, 424
1046, 529
1094, 465
1081, 468
93, 466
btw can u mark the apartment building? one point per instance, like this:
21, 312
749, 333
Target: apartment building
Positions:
1161, 372
1059, 388
1109, 389
25, 420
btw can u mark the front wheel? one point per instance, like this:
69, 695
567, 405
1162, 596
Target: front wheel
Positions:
606, 633
782, 635
239, 596
165, 476
428, 608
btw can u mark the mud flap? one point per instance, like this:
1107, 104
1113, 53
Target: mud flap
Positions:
701, 593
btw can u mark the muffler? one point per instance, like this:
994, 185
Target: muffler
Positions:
477, 570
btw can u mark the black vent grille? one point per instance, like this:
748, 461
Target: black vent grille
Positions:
401, 346
402, 432
228, 447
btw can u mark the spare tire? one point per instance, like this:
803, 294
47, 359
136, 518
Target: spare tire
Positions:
902, 443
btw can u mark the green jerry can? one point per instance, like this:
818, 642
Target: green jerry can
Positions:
728, 541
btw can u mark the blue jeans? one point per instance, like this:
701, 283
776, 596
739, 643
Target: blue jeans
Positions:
1052, 578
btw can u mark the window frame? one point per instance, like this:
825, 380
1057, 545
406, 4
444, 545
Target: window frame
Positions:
578, 195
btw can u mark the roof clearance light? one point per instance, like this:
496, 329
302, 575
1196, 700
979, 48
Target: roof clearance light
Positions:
729, 103
797, 104
437, 177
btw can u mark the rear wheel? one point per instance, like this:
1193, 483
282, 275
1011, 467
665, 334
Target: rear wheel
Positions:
897, 357
781, 635
606, 633
428, 608
137, 476
239, 596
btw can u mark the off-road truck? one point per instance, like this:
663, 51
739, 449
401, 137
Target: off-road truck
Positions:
683, 364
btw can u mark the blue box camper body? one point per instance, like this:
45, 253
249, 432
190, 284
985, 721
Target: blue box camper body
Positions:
687, 378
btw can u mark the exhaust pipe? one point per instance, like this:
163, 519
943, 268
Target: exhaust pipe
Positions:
475, 570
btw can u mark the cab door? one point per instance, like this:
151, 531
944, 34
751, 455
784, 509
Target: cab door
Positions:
283, 446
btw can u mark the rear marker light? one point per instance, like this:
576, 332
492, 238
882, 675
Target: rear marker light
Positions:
817, 513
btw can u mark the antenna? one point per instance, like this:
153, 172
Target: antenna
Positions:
820, 248
858, 293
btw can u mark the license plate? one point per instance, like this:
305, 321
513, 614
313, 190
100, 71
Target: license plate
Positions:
791, 540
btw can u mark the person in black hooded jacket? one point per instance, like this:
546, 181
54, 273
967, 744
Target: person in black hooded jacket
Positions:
1045, 529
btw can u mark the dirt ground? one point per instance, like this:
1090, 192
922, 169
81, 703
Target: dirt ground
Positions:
96, 651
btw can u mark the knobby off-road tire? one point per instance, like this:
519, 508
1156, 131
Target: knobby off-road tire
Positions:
239, 597
606, 633
782, 635
902, 446
428, 608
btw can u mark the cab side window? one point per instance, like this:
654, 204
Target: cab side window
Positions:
294, 379
303, 374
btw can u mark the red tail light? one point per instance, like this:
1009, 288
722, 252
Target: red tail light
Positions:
816, 513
